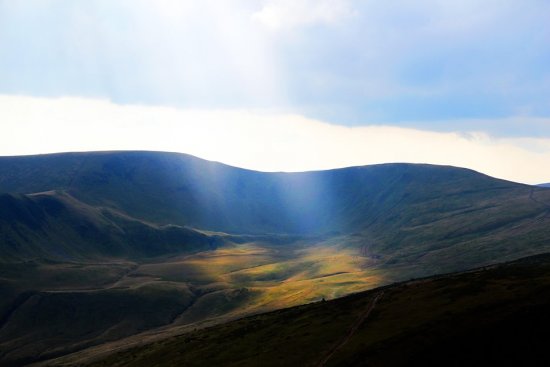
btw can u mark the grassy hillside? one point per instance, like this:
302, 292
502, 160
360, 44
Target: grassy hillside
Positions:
217, 243
169, 188
94, 303
494, 316
397, 213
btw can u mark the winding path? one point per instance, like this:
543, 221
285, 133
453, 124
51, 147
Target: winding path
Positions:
352, 330
535, 200
532, 198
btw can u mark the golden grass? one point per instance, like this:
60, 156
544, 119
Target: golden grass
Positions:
303, 275
276, 276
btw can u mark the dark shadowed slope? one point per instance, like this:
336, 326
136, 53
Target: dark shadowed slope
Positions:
171, 188
159, 187
55, 226
174, 188
496, 316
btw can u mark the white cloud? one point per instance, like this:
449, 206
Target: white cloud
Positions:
255, 139
287, 14
380, 59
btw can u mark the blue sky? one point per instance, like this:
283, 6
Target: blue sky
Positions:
434, 66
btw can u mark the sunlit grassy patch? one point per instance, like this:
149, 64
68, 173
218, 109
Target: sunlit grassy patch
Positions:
209, 266
312, 273
275, 278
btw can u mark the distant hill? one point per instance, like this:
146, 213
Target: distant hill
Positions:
487, 317
544, 185
392, 206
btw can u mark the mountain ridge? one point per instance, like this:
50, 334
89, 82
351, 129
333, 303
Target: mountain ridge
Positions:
389, 206
115, 179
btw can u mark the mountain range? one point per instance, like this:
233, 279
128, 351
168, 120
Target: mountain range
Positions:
98, 247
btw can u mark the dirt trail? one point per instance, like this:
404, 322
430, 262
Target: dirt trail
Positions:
535, 200
19, 301
352, 330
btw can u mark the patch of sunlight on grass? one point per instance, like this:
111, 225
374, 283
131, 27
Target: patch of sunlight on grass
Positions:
312, 273
303, 274
304, 291
210, 266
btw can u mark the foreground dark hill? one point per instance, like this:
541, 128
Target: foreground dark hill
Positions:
486, 317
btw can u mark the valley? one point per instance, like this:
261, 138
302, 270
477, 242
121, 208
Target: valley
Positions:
108, 250
190, 290
490, 316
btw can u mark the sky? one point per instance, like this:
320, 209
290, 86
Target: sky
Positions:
282, 85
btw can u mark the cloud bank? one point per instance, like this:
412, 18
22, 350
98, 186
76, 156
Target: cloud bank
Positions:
256, 139
343, 61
